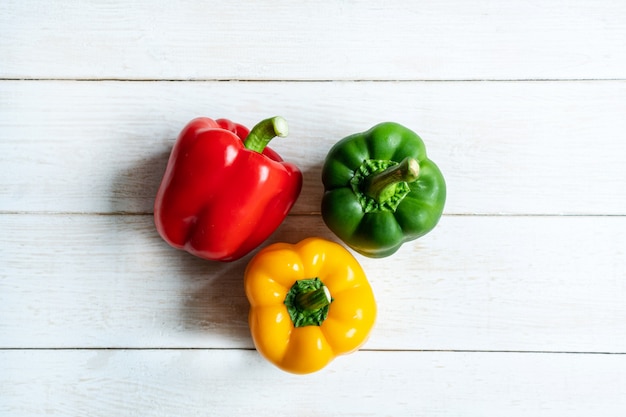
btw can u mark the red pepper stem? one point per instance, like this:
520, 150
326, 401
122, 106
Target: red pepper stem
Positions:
264, 131
381, 185
313, 300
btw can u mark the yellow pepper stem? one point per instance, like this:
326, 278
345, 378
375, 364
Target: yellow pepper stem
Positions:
313, 300
308, 302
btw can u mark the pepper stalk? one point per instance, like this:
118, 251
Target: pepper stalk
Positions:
264, 131
381, 186
308, 302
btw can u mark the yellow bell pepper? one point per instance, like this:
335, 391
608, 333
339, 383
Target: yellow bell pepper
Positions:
309, 302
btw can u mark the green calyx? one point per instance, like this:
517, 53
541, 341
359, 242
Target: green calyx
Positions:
308, 302
380, 185
264, 131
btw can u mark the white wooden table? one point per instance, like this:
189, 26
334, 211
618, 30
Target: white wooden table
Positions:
515, 305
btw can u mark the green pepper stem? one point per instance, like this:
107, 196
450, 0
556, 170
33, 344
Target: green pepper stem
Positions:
264, 131
381, 185
313, 300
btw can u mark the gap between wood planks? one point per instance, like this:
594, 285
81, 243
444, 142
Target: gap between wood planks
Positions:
310, 214
313, 80
170, 348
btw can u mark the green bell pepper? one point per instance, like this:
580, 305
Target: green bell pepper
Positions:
380, 190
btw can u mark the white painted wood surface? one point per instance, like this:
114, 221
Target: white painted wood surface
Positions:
513, 306
313, 40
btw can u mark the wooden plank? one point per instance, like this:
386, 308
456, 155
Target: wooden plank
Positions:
164, 382
504, 147
474, 283
324, 40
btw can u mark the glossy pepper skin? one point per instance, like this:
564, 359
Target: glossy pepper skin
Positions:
381, 190
224, 192
309, 302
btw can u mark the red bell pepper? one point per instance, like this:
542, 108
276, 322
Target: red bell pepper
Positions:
224, 192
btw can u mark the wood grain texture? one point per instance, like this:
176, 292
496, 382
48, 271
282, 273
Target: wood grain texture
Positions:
196, 383
313, 40
504, 147
475, 283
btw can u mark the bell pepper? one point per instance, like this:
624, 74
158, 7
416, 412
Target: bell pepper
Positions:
381, 190
224, 191
309, 302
